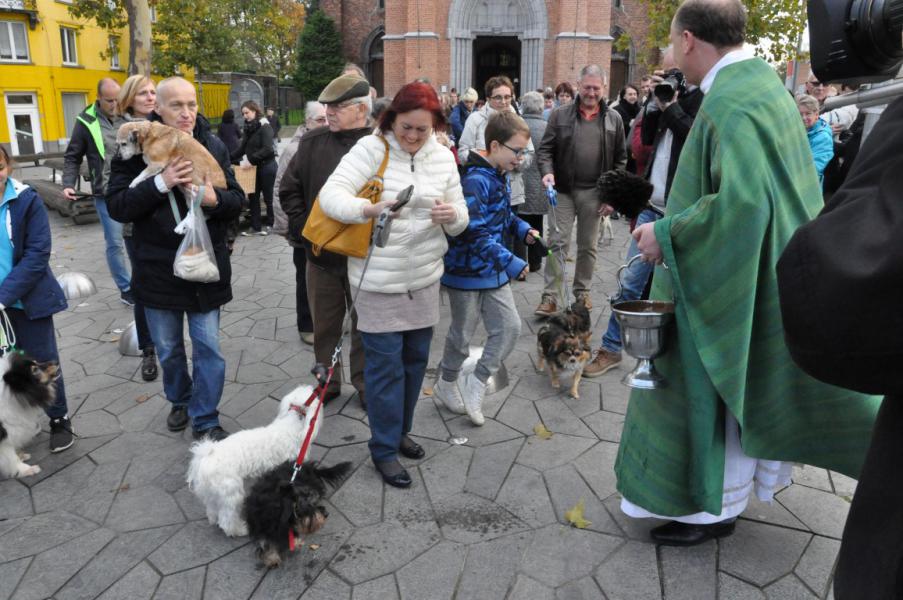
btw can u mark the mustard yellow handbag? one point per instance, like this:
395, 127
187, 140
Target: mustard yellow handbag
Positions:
347, 239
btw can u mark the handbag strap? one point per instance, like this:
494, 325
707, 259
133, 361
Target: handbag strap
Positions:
175, 207
385, 163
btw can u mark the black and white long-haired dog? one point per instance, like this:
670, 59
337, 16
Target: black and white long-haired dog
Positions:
26, 389
562, 344
278, 510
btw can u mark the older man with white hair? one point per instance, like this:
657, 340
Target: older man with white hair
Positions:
583, 140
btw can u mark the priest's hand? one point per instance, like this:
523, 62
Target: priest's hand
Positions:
647, 244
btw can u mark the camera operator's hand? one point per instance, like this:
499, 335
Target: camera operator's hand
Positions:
662, 106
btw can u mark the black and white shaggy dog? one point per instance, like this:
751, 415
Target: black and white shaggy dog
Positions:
562, 344
277, 510
27, 388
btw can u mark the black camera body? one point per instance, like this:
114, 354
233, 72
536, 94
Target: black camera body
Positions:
857, 41
673, 83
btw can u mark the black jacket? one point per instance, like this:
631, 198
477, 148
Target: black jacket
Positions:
82, 145
318, 155
679, 119
556, 154
257, 143
230, 134
628, 113
155, 242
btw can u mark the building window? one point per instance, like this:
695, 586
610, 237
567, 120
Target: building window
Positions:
13, 41
618, 3
380, 4
67, 41
114, 52
73, 104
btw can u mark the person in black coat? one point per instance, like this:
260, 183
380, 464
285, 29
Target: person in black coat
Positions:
257, 145
151, 207
229, 131
628, 105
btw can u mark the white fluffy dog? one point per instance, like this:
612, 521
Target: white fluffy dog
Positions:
219, 470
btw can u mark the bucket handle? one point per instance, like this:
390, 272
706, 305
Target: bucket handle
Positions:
621, 270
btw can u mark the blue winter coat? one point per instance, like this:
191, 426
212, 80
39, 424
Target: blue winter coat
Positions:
30, 281
822, 143
457, 119
477, 259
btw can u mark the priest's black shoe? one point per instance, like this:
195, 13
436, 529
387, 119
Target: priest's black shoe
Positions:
411, 449
393, 473
687, 534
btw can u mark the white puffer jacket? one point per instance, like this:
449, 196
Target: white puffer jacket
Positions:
412, 259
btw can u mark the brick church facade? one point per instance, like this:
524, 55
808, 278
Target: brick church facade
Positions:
461, 43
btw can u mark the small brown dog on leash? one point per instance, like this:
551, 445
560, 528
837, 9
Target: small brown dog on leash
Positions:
563, 344
160, 144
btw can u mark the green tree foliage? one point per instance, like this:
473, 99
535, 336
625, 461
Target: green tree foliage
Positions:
267, 35
113, 15
319, 54
194, 33
773, 26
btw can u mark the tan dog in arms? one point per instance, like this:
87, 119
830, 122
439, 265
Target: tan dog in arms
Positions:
160, 145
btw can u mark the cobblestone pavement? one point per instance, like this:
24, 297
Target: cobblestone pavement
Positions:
113, 518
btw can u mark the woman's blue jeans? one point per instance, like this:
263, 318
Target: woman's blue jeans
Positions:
395, 364
201, 391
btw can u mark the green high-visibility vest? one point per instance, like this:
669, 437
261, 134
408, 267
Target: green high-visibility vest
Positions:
93, 126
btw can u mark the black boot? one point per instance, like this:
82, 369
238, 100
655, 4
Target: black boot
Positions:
149, 365
687, 534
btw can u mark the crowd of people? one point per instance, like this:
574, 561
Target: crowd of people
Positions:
737, 411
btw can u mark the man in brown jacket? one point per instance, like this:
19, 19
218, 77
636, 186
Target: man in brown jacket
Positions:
347, 100
582, 140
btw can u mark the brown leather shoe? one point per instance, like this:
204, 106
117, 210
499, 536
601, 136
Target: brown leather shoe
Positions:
546, 308
585, 300
603, 362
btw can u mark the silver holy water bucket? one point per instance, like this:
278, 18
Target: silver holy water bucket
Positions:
644, 326
76, 285
128, 341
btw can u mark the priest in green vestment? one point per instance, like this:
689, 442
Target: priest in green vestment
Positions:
736, 411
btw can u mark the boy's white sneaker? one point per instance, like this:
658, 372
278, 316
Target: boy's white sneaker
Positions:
449, 394
473, 392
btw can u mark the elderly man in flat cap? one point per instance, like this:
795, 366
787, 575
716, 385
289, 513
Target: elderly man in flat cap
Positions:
347, 100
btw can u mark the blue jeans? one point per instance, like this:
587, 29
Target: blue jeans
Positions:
144, 338
202, 390
37, 338
112, 233
395, 364
634, 282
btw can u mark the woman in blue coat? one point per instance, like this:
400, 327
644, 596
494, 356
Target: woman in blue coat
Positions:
820, 138
29, 293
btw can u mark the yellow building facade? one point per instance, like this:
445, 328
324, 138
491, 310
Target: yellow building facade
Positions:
50, 63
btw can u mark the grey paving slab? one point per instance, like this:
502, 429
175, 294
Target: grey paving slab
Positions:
233, 576
383, 588
525, 587
524, 493
428, 421
822, 512
559, 554
736, 589
519, 413
690, 573
187, 585
137, 584
606, 425
53, 463
143, 507
772, 513
10, 574
582, 589
843, 486
42, 532
558, 418
761, 553
434, 574
596, 466
817, 564
360, 497
327, 587
567, 488
380, 549
468, 519
490, 466
195, 544
789, 588
410, 507
491, 567
813, 477
558, 450
445, 474
631, 572
15, 500
490, 433
339, 430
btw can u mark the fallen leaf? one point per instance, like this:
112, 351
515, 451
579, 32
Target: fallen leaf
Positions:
115, 338
142, 398
314, 546
428, 391
125, 487
574, 516
541, 432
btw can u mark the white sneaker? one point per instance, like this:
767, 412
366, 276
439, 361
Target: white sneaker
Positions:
473, 392
450, 395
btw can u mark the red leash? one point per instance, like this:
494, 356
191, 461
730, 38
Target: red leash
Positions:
317, 395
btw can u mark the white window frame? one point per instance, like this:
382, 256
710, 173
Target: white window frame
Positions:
70, 54
114, 52
8, 26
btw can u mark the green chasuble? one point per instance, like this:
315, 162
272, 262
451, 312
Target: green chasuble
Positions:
744, 183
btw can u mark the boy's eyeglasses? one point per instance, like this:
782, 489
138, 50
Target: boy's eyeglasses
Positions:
518, 152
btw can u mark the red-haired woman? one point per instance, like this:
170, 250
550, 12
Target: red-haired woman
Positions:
398, 304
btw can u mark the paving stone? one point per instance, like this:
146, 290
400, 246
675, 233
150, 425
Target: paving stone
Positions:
560, 554
138, 583
42, 532
433, 574
761, 553
356, 454
142, 414
558, 418
490, 567
524, 493
822, 512
445, 474
10, 574
143, 508
519, 413
690, 573
615, 395
327, 587
195, 544
15, 500
534, 387
631, 572
187, 585
53, 568
53, 463
115, 400
813, 477
411, 507
606, 425
9, 524
597, 467
525, 587
381, 588
166, 462
491, 432
558, 450
380, 549
490, 466
114, 561
469, 519
360, 497
428, 421
772, 513
735, 589
233, 576
260, 373
339, 430
92, 424
817, 563
55, 492
843, 486
789, 588
567, 488
131, 445
582, 589
259, 415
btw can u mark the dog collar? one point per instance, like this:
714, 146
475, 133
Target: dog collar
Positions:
301, 410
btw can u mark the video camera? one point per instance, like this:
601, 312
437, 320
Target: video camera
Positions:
673, 82
856, 41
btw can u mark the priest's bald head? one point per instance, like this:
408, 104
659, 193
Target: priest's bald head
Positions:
705, 30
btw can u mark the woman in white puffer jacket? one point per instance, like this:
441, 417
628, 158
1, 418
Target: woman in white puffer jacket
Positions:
398, 304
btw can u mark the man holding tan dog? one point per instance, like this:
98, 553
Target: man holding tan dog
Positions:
167, 298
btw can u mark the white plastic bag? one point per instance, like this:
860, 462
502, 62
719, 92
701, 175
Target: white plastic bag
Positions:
195, 260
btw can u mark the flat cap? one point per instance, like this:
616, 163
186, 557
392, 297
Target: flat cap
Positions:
344, 88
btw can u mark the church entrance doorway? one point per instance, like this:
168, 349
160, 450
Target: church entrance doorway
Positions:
496, 55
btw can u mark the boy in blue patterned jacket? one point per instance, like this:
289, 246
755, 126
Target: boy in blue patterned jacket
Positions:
478, 267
